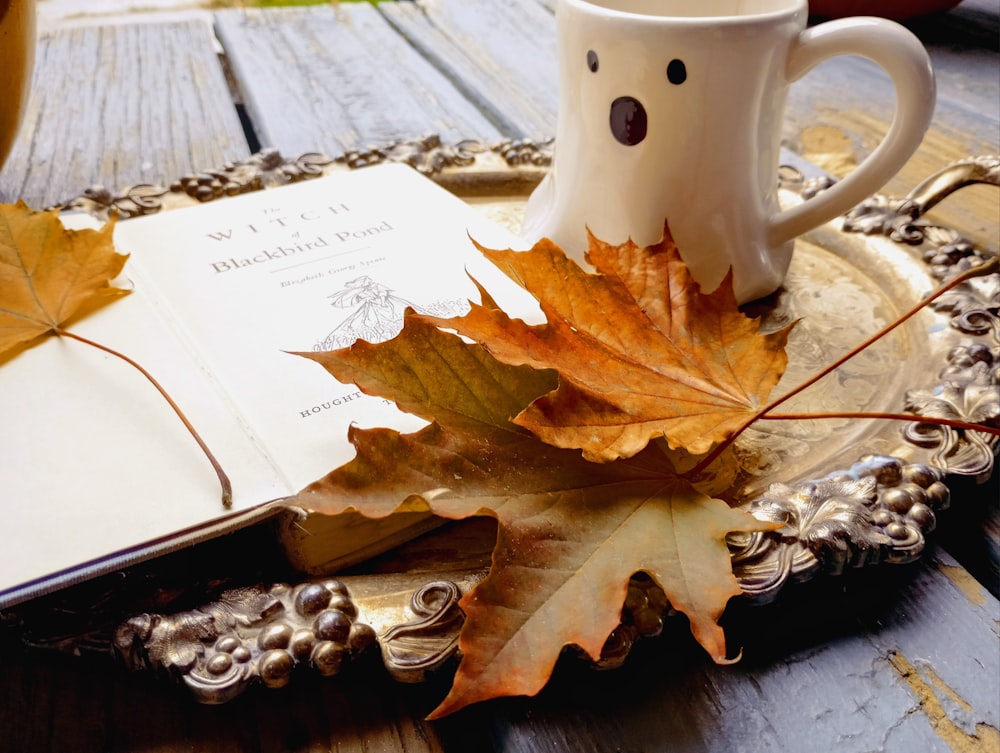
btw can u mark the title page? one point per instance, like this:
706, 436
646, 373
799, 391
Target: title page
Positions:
313, 266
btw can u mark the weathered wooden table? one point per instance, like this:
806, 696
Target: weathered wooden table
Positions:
889, 659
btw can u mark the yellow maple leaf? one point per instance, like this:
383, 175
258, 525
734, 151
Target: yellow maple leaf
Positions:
48, 274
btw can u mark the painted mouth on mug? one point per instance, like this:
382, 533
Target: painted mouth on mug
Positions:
628, 120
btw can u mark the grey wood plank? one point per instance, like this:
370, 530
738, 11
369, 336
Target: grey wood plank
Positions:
120, 105
501, 55
334, 80
904, 661
970, 529
54, 702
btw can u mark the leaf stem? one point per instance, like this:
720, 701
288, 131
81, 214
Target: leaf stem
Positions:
983, 269
909, 417
227, 487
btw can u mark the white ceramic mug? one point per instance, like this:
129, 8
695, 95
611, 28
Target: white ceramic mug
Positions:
672, 110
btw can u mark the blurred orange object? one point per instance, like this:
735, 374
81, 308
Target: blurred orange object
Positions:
895, 9
17, 54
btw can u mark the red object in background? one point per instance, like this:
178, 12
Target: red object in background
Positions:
895, 9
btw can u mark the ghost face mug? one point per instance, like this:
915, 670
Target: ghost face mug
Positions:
671, 110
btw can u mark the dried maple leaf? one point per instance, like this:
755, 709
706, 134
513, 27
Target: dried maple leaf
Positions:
571, 533
641, 352
48, 273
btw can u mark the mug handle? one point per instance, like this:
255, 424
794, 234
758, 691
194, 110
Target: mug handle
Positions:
904, 58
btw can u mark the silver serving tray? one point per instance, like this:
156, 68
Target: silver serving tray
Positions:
851, 493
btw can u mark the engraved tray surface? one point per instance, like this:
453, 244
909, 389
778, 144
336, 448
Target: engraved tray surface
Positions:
851, 493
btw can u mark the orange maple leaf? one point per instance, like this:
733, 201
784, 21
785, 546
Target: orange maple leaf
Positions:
571, 533
640, 352
48, 274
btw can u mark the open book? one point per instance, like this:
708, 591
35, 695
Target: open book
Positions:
98, 472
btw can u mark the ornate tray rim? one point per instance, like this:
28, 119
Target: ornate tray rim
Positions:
878, 509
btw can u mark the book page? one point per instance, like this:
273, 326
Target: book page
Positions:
93, 461
97, 470
308, 267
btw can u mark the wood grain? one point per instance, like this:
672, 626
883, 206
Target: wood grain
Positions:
120, 105
970, 529
501, 55
334, 80
54, 702
895, 661
891, 658
57, 703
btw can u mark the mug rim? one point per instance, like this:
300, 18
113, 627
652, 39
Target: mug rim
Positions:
600, 8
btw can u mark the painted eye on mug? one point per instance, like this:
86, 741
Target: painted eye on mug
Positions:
592, 61
676, 72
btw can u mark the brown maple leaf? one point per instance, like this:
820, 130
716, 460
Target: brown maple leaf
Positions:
571, 533
48, 274
641, 352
